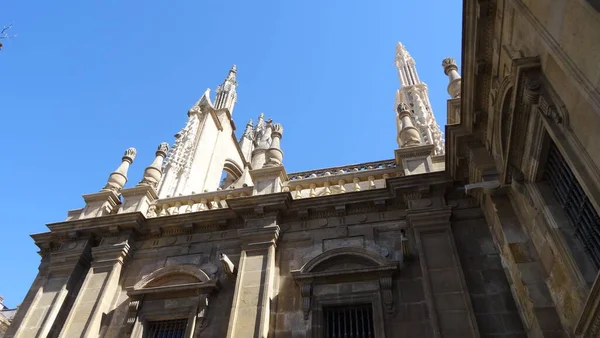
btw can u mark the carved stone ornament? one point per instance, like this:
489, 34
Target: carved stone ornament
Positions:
448, 63
306, 294
549, 110
132, 315
385, 284
531, 92
322, 269
163, 148
402, 107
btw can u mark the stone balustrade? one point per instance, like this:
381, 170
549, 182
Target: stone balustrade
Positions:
356, 168
196, 202
339, 180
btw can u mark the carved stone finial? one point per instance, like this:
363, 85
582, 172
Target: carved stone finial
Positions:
118, 178
163, 148
234, 68
451, 70
277, 128
129, 155
249, 131
402, 107
274, 155
408, 135
153, 172
447, 63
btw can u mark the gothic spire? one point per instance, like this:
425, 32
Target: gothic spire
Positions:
407, 72
414, 94
226, 94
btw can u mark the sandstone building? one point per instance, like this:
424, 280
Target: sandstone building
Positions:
492, 232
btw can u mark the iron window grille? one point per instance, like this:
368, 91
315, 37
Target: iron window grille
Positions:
576, 204
355, 321
167, 329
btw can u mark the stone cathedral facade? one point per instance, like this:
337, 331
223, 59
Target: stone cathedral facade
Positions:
493, 231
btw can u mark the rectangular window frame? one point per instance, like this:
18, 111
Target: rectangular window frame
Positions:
357, 317
354, 298
181, 326
542, 132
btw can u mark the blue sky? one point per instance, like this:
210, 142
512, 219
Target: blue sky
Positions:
84, 80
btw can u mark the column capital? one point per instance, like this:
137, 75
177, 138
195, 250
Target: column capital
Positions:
69, 255
429, 217
112, 250
259, 238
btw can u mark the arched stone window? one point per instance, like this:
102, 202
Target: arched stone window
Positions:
353, 278
173, 298
231, 173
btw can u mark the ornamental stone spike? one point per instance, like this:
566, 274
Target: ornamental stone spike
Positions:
118, 178
451, 70
274, 154
408, 136
153, 172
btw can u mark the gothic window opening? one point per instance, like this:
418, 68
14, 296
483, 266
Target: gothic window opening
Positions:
167, 328
576, 204
355, 321
230, 174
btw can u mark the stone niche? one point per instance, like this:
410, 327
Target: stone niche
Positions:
172, 292
347, 276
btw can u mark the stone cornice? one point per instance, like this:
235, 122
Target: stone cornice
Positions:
98, 224
251, 207
146, 190
342, 199
109, 195
438, 179
205, 195
269, 172
261, 203
207, 216
420, 150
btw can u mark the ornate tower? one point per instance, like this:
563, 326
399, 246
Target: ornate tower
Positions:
415, 94
206, 147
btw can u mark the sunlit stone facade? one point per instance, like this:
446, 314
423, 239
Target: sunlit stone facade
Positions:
490, 232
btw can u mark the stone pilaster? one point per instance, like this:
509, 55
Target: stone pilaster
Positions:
444, 283
138, 199
49, 296
415, 160
250, 312
99, 288
524, 268
268, 180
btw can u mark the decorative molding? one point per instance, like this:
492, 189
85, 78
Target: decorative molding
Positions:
306, 294
385, 285
376, 268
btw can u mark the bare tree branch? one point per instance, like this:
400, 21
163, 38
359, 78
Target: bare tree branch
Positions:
4, 35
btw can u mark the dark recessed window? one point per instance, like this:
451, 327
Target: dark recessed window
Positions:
348, 321
575, 203
167, 329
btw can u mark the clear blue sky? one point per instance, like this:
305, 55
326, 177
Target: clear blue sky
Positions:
84, 80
